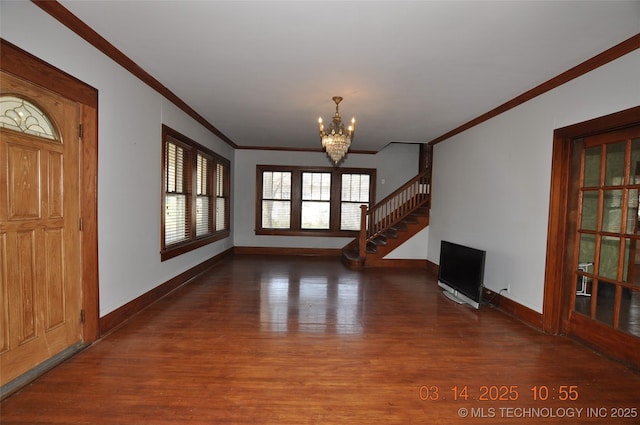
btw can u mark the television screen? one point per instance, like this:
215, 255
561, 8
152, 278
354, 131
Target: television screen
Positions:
461, 270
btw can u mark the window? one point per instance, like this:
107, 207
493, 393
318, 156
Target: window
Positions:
191, 218
311, 201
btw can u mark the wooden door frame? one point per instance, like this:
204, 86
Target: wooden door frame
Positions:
563, 213
23, 65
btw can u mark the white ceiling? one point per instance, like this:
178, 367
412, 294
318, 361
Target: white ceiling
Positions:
263, 71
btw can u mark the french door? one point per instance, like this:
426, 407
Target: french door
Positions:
604, 305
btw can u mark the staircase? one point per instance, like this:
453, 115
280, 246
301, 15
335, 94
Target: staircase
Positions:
390, 223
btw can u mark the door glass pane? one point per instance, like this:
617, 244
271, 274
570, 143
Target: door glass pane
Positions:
612, 211
592, 167
632, 212
589, 210
606, 299
587, 249
609, 254
614, 174
635, 162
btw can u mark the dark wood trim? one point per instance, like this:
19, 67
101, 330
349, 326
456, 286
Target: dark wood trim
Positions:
319, 149
502, 303
589, 65
192, 148
618, 345
27, 67
302, 252
120, 315
560, 241
296, 200
432, 268
68, 19
89, 211
614, 121
557, 248
397, 263
22, 64
562, 213
512, 308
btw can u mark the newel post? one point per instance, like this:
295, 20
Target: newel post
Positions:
362, 239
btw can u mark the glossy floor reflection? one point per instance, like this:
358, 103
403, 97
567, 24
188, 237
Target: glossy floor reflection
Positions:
310, 304
295, 341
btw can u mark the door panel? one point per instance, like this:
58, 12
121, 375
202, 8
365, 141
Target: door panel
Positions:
40, 253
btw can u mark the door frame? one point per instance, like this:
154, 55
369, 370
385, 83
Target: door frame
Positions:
25, 66
562, 220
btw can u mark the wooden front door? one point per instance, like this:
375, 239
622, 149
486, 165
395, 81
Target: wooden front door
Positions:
40, 244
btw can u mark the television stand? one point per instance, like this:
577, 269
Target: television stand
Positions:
453, 297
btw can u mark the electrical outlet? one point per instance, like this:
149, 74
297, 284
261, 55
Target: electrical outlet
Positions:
508, 288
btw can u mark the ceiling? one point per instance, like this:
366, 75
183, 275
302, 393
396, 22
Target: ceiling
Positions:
262, 72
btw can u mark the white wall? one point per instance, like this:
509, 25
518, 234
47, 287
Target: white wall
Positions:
130, 115
395, 164
491, 183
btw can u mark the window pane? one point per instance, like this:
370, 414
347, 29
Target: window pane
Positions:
276, 185
316, 186
355, 188
202, 181
220, 177
21, 115
174, 167
276, 214
203, 217
350, 216
175, 220
220, 212
315, 215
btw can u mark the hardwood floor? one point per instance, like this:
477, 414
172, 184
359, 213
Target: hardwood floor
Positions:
277, 340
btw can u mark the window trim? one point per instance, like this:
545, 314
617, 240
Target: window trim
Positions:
193, 148
296, 199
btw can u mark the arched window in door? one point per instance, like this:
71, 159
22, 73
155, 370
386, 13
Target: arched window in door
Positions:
21, 115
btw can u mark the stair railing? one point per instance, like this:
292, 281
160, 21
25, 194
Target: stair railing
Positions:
392, 209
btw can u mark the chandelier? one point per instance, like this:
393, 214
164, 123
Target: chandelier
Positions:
335, 141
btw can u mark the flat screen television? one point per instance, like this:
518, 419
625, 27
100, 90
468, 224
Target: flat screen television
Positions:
461, 273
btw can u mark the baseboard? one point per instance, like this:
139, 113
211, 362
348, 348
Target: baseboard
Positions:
513, 308
504, 304
312, 252
396, 263
120, 315
432, 268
